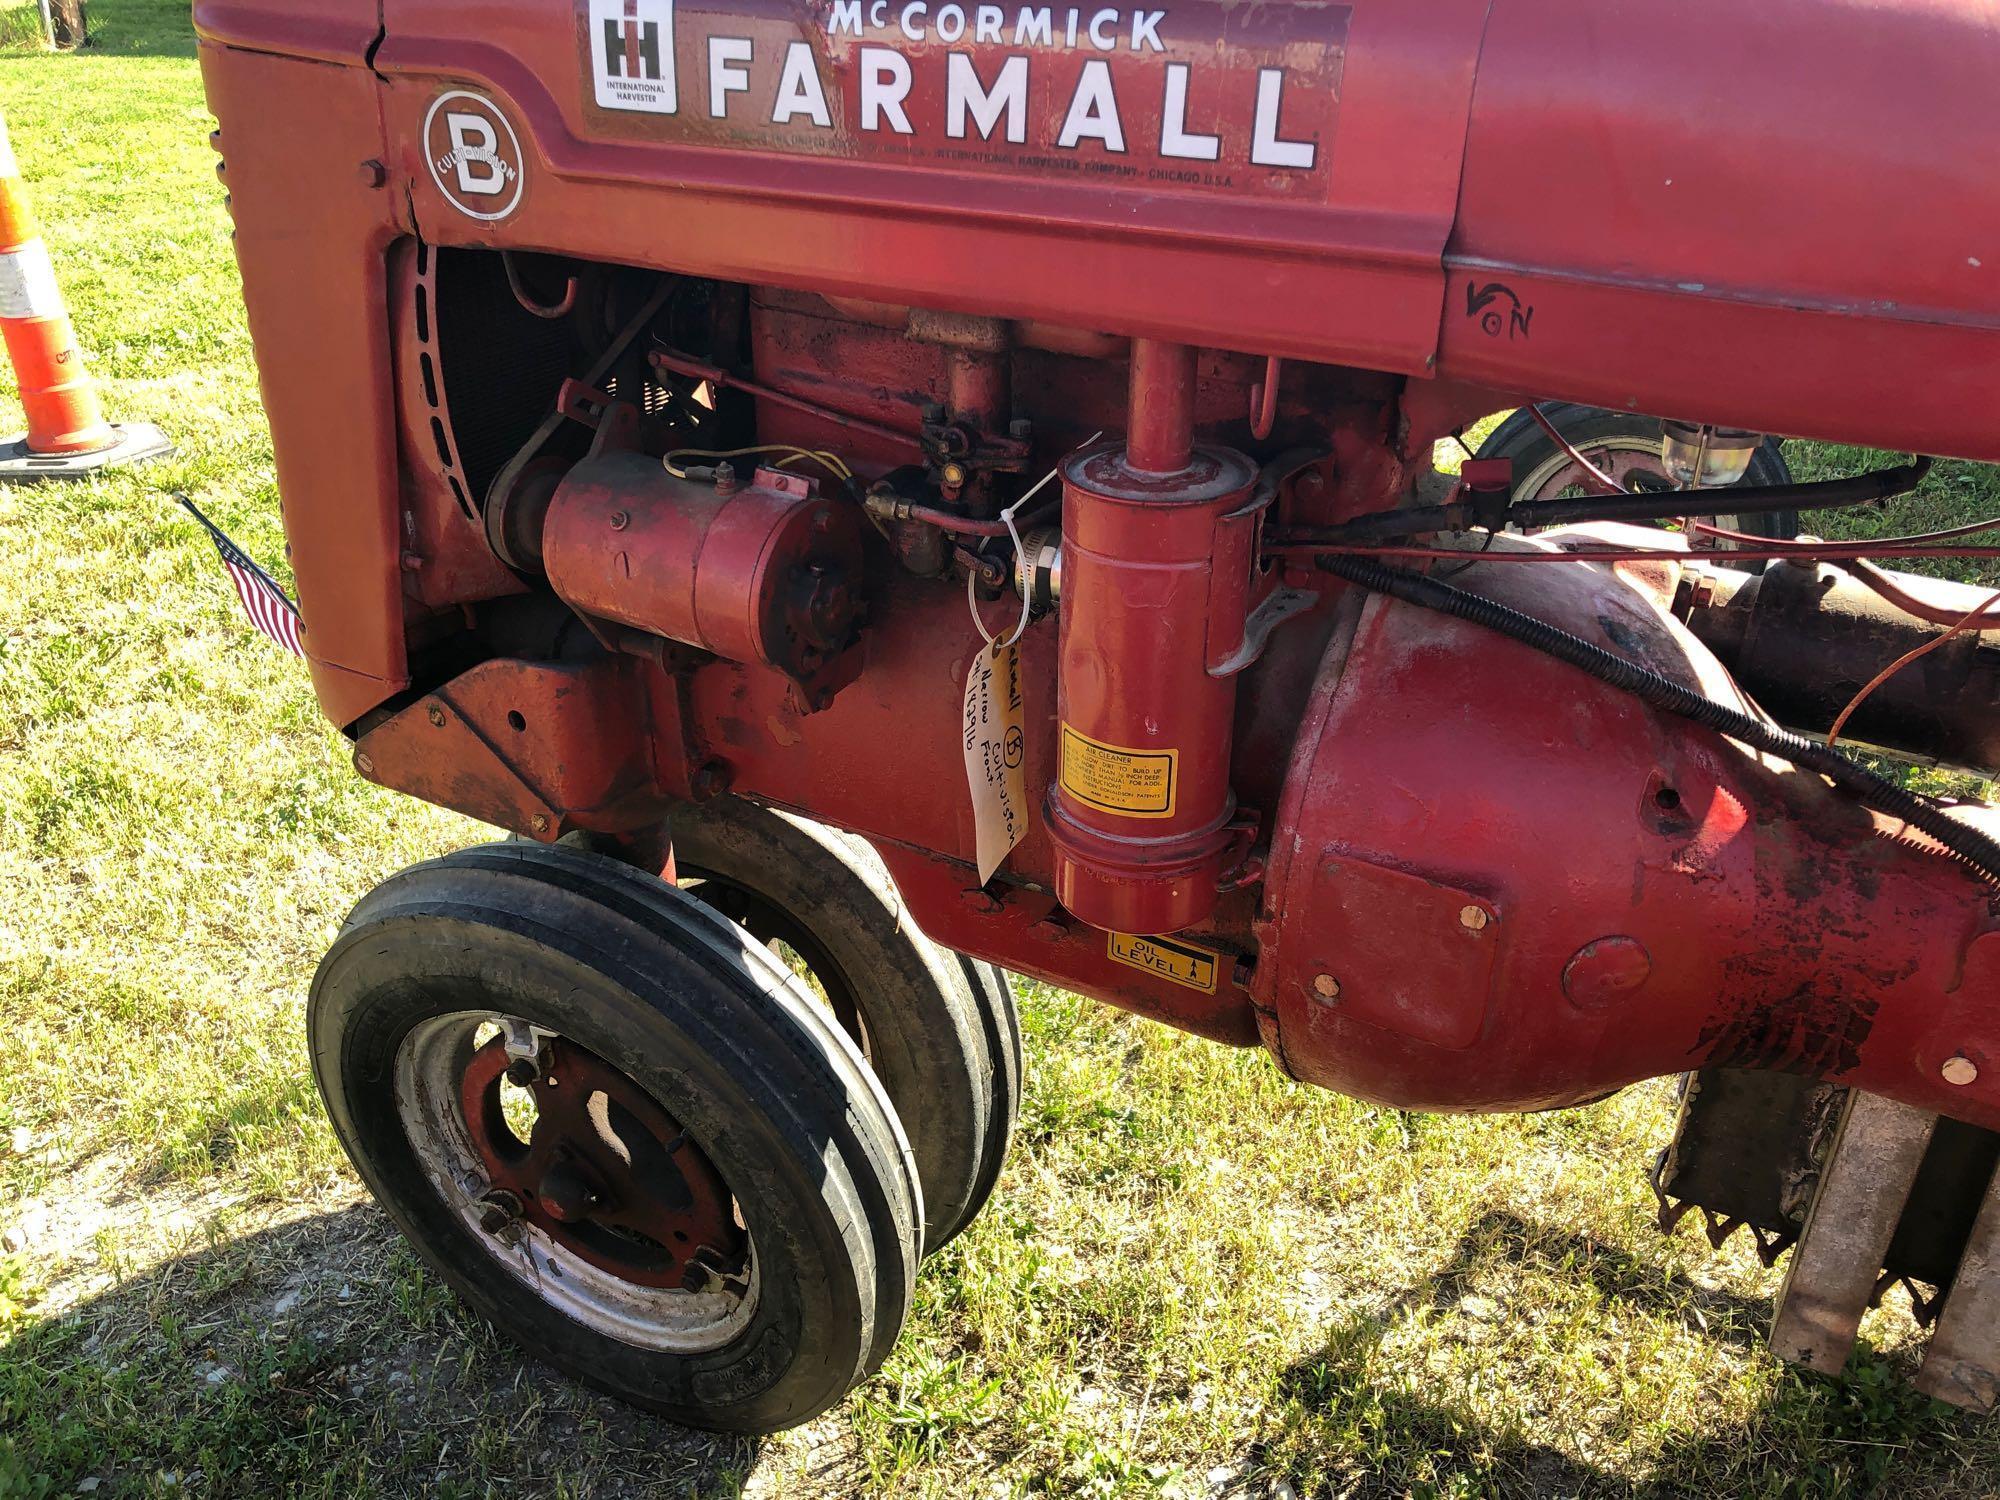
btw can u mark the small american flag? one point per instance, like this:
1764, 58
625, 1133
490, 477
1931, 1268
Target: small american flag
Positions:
263, 601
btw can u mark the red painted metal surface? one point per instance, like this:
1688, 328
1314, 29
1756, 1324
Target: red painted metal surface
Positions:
1452, 199
1159, 430
765, 572
1157, 574
287, 128
605, 1172
534, 748
1530, 889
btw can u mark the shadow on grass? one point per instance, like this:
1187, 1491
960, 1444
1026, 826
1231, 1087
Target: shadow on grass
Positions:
1867, 1433
1617, 1274
319, 1358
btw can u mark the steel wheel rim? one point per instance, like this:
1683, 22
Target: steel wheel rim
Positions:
1552, 476
430, 1070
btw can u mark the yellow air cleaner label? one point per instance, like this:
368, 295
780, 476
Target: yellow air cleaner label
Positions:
1132, 783
1169, 958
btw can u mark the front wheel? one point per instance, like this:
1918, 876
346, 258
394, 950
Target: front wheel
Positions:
938, 1029
623, 1133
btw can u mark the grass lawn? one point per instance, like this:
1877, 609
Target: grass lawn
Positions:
1195, 1278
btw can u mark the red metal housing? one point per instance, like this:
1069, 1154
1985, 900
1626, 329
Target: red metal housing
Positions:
1478, 894
765, 573
1157, 573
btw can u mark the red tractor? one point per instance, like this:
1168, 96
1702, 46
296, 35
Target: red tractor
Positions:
1004, 434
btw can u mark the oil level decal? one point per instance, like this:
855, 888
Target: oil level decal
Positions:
475, 157
1169, 958
1134, 783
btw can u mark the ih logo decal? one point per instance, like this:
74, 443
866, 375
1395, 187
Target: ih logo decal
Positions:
632, 54
474, 155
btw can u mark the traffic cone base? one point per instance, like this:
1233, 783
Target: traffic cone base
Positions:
132, 442
67, 434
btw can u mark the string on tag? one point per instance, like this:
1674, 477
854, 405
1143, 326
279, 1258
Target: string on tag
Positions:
1014, 536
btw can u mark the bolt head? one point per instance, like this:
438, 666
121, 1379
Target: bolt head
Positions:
363, 764
498, 1209
539, 822
436, 715
1326, 987
1959, 1070
1473, 918
521, 1072
372, 174
620, 520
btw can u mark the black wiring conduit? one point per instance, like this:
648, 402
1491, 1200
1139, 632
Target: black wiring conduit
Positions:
1960, 840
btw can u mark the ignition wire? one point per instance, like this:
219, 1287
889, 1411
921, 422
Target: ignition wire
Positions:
831, 462
1977, 613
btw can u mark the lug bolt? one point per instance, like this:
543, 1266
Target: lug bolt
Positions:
694, 1277
498, 1209
522, 1071
1326, 987
1472, 918
1959, 1070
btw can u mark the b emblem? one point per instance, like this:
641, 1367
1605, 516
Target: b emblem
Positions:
474, 156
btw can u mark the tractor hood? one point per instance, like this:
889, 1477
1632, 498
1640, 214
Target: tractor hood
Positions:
1782, 216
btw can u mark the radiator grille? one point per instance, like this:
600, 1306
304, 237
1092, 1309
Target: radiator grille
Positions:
501, 365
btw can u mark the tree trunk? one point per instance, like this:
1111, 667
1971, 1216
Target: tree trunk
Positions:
67, 27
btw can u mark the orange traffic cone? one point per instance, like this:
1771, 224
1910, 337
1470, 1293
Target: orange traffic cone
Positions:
67, 434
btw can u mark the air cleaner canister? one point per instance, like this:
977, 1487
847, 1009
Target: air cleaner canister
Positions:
1157, 572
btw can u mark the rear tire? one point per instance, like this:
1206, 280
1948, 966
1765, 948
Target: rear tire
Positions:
1593, 431
642, 980
939, 1030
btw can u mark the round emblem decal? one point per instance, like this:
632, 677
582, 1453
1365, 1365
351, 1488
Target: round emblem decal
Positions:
474, 156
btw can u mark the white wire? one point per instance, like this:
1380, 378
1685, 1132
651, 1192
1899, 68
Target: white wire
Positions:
972, 575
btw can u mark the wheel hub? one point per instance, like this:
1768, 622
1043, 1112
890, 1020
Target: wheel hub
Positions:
605, 1172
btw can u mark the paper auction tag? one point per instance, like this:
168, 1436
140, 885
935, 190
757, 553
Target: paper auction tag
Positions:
994, 754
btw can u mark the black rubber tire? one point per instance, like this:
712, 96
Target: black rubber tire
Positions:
710, 1025
1001, 1019
1521, 438
941, 1031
